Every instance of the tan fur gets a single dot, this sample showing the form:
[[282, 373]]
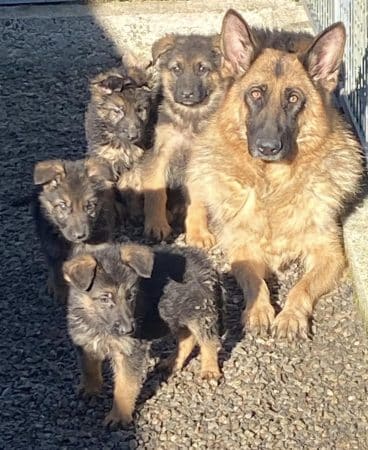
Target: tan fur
[[174, 134], [266, 214], [187, 339], [126, 390]]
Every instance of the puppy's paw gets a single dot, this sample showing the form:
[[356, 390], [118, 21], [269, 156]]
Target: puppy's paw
[[89, 389], [258, 319], [200, 238], [211, 373], [158, 229], [114, 419], [290, 324], [168, 364]]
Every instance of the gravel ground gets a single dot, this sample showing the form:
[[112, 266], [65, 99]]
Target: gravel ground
[[274, 395]]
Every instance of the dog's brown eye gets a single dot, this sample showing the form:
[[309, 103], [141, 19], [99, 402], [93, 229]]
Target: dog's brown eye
[[256, 94], [203, 69], [176, 69], [90, 207], [61, 206], [119, 111], [106, 297], [141, 109], [293, 98]]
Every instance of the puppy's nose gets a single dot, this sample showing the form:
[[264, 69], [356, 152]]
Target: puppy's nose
[[79, 235], [268, 147], [187, 93], [123, 328], [133, 133]]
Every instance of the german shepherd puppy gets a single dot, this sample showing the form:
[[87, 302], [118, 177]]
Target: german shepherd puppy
[[119, 294], [74, 209], [275, 168], [119, 117], [192, 88]]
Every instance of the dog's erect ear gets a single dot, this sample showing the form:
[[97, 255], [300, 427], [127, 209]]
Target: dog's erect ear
[[237, 43], [162, 46], [100, 171], [48, 171], [139, 257], [80, 271], [113, 83], [324, 56]]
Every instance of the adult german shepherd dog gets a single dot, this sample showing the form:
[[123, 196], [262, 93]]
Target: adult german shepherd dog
[[274, 169]]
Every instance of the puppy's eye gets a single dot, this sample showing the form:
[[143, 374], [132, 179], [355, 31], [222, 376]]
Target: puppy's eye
[[106, 298], [90, 207], [203, 69], [119, 111], [141, 109], [256, 94], [176, 69], [61, 206], [293, 98]]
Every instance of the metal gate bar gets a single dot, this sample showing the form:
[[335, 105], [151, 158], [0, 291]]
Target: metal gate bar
[[354, 89]]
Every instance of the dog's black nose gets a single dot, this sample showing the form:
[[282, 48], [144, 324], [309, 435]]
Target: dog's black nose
[[187, 93], [133, 134], [79, 235], [268, 147], [122, 328]]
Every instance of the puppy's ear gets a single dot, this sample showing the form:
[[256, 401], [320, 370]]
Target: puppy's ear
[[139, 257], [80, 271], [112, 82], [323, 58], [100, 171], [162, 46], [52, 171], [237, 43]]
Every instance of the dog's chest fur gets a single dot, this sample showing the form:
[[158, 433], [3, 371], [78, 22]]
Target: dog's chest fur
[[278, 209]]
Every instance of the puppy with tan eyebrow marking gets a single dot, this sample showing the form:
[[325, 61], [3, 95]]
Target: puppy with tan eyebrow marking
[[123, 296], [275, 169], [74, 209], [192, 88], [118, 127]]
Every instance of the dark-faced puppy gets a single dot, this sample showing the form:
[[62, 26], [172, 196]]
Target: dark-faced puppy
[[123, 296], [192, 88], [119, 116], [75, 208]]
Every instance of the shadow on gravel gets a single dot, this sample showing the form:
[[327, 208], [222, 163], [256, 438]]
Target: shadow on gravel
[[44, 71], [233, 307]]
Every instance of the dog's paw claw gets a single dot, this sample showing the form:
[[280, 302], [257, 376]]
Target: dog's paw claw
[[114, 419], [258, 320], [290, 325], [159, 231], [201, 239], [211, 374]]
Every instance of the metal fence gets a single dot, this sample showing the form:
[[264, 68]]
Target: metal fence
[[354, 89]]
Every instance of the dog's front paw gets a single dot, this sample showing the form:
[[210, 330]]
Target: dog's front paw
[[114, 418], [212, 373], [200, 239], [89, 389], [290, 324], [158, 229], [258, 319]]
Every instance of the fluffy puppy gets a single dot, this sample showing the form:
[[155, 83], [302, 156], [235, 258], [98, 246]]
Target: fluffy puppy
[[121, 297], [74, 208]]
